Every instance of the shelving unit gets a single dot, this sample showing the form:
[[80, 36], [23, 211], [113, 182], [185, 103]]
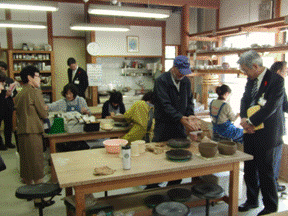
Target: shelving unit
[[43, 60], [135, 71]]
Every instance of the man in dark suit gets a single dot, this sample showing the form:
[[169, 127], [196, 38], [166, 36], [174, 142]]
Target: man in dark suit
[[77, 76], [266, 89], [6, 109]]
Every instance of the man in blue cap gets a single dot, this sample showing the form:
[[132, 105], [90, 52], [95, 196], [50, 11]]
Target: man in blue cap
[[174, 108], [174, 102]]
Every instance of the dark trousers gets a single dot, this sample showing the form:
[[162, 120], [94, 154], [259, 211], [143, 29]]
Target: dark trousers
[[259, 173], [277, 160], [8, 125]]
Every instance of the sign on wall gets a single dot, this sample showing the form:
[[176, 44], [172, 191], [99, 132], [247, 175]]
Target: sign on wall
[[94, 72]]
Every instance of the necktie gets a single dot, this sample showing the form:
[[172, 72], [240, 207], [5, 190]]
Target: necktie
[[254, 91], [254, 88]]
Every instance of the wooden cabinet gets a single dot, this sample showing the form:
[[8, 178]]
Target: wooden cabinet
[[43, 60]]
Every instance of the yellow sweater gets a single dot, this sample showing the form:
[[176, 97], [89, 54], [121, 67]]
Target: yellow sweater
[[138, 114]]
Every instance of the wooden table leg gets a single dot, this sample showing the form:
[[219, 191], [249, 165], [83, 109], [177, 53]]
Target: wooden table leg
[[80, 203], [53, 174], [69, 192], [52, 144], [233, 189]]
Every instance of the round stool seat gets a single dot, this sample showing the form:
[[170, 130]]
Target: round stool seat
[[171, 209], [38, 191], [208, 191]]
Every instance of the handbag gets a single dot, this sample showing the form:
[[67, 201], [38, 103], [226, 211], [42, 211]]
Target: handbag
[[2, 164]]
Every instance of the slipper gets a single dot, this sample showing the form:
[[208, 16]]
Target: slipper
[[45, 204]]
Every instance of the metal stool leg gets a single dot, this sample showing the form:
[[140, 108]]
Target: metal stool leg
[[207, 207]]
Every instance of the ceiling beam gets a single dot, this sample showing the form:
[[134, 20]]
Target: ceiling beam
[[208, 4]]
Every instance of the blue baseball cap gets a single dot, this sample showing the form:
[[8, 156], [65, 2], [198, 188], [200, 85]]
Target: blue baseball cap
[[182, 63]]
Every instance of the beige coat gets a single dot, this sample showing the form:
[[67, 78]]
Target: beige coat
[[30, 109]]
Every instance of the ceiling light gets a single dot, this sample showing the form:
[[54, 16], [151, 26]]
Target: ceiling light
[[128, 11], [99, 27], [29, 5], [22, 24]]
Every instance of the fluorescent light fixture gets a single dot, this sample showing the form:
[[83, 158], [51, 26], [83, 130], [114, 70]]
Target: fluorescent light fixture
[[22, 24], [128, 11], [29, 5], [99, 27]]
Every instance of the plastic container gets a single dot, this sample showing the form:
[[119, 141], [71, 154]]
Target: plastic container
[[113, 146], [126, 153]]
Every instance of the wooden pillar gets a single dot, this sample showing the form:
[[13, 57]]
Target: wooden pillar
[[9, 31], [184, 29], [277, 8], [50, 29], [217, 19]]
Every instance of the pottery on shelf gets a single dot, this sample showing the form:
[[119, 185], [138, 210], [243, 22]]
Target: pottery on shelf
[[208, 150], [227, 147]]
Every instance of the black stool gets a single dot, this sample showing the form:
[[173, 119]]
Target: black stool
[[38, 191], [207, 191]]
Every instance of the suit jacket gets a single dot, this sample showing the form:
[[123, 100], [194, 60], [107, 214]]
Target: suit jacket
[[7, 103], [29, 105], [82, 78], [271, 114]]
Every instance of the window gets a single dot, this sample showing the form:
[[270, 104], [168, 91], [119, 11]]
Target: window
[[170, 54]]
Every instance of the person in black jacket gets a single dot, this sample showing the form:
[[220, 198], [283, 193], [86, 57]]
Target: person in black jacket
[[266, 89], [6, 109], [280, 67], [77, 76], [174, 108], [114, 105]]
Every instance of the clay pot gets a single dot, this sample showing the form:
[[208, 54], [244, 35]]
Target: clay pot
[[119, 118], [208, 149], [227, 147]]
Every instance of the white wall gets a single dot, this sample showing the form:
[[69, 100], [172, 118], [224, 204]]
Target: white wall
[[31, 37], [115, 43], [235, 12], [3, 35], [66, 15], [284, 8], [173, 29], [193, 20]]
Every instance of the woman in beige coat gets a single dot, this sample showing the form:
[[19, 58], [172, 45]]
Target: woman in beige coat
[[30, 109]]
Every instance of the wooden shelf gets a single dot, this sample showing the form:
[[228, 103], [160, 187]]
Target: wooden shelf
[[30, 60], [127, 56], [214, 71], [31, 52], [240, 51], [18, 72]]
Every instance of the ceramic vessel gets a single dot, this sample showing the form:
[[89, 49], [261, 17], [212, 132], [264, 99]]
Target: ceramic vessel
[[227, 147], [119, 118], [208, 149]]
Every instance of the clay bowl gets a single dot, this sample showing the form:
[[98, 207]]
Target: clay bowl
[[119, 118], [179, 143], [227, 147], [208, 150]]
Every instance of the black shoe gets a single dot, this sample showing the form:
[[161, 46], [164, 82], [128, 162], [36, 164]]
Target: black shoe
[[3, 148], [10, 145], [266, 212], [246, 207], [281, 188]]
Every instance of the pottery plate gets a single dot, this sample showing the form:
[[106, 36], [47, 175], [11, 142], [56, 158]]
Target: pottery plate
[[179, 143], [178, 155]]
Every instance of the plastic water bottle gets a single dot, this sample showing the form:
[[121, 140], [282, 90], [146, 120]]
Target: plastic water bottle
[[126, 157]]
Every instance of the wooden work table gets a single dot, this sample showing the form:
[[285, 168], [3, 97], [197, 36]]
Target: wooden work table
[[75, 170]]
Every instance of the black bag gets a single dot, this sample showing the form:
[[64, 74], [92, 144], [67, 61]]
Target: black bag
[[2, 164]]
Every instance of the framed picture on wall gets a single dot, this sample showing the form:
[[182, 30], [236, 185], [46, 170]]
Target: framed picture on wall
[[132, 44]]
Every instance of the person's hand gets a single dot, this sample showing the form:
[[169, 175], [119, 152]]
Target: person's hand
[[84, 111], [193, 136], [8, 93], [108, 117], [112, 114], [190, 124], [250, 129], [46, 108]]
